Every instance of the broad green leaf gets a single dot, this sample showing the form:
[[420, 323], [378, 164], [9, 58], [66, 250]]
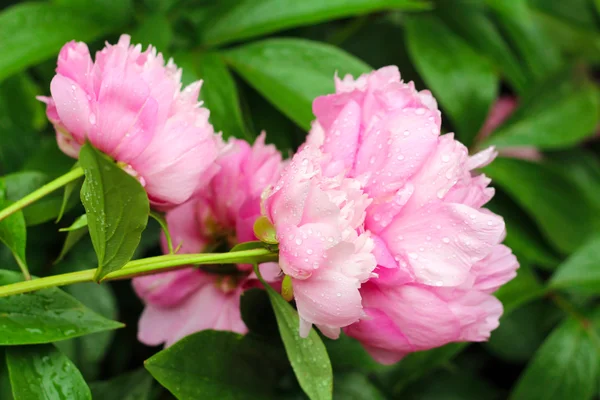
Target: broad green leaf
[[260, 115], [571, 37], [13, 232], [235, 20], [575, 12], [562, 212], [33, 32], [308, 355], [565, 366], [112, 12], [45, 316], [355, 386], [19, 120], [523, 288], [214, 365], [530, 324], [562, 114], [581, 269], [154, 30], [25, 110], [5, 389], [20, 184], [418, 364], [516, 21], [579, 165], [42, 372], [290, 73], [462, 80], [219, 93], [117, 208], [521, 234], [136, 385], [471, 21], [87, 352]]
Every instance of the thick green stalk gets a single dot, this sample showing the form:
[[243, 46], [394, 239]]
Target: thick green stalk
[[41, 192], [141, 267]]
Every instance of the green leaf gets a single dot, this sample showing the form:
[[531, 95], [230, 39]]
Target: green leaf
[[530, 323], [25, 110], [136, 385], [87, 352], [111, 12], [572, 38], [13, 233], [43, 372], [581, 269], [537, 53], [523, 288], [355, 386], [154, 30], [521, 234], [418, 364], [235, 20], [21, 116], [471, 21], [561, 113], [5, 389], [79, 223], [463, 81], [579, 165], [549, 199], [73, 237], [117, 208], [45, 316], [575, 12], [33, 32], [290, 73], [308, 356], [214, 365], [565, 366], [219, 92]]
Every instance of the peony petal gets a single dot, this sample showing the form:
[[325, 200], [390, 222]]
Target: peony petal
[[443, 242], [72, 106]]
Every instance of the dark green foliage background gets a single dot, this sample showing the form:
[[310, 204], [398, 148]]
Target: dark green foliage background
[[263, 61]]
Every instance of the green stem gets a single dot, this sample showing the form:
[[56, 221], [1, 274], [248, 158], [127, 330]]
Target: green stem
[[41, 192], [141, 267]]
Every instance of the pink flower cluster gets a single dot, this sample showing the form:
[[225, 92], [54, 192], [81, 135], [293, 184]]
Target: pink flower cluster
[[129, 105], [379, 218], [415, 206], [182, 302]]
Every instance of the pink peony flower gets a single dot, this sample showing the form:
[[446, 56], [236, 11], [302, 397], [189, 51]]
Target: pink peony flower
[[437, 251], [182, 302], [129, 105], [318, 215], [500, 112]]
